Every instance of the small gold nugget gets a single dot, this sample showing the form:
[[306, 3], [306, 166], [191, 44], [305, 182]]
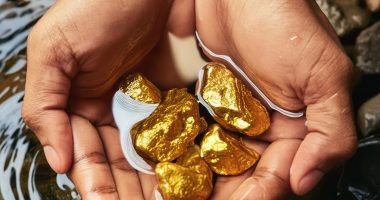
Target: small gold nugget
[[170, 129], [225, 154], [233, 104], [138, 87], [189, 178]]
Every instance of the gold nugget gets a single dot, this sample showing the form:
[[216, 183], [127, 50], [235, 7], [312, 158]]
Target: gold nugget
[[225, 154], [140, 88], [170, 129], [189, 178], [233, 104]]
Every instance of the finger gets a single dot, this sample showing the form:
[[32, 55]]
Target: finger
[[283, 127], [149, 184], [331, 140], [46, 93], [156, 195], [270, 179], [90, 173], [181, 21], [125, 177], [226, 185]]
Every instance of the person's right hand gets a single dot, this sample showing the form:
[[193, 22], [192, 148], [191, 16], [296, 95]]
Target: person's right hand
[[76, 54]]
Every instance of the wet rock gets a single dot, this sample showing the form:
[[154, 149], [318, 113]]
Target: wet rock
[[373, 5], [369, 116], [344, 15], [368, 49], [361, 178]]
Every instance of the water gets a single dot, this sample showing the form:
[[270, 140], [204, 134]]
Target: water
[[24, 172]]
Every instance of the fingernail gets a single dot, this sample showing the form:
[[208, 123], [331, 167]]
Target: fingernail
[[157, 195], [309, 181], [53, 158]]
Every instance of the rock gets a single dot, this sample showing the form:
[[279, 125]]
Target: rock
[[373, 5], [368, 49], [361, 178], [369, 116], [344, 15]]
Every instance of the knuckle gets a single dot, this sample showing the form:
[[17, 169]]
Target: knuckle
[[91, 158], [272, 176], [32, 37], [330, 59], [51, 40], [30, 118], [348, 148], [102, 192], [26, 116], [121, 164], [38, 33], [348, 71], [339, 151]]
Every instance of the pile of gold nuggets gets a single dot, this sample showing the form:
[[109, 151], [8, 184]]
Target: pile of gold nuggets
[[185, 169]]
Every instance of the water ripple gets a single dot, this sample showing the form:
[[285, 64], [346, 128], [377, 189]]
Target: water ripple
[[15, 24], [24, 172]]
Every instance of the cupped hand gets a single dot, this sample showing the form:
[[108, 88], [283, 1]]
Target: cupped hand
[[79, 49], [76, 54], [292, 52]]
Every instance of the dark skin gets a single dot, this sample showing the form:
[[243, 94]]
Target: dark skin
[[79, 49]]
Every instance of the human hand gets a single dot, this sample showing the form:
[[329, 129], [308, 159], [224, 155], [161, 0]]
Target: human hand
[[80, 65], [76, 53], [292, 52]]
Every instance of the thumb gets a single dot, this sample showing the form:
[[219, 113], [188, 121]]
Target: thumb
[[46, 94], [331, 139]]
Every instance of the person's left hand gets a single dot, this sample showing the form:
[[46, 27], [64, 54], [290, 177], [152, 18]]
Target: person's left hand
[[289, 48]]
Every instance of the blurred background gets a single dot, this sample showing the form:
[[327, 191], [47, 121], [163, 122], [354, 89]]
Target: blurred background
[[25, 174]]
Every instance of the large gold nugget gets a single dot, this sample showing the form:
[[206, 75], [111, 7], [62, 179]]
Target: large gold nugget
[[140, 88], [233, 104], [168, 131], [190, 178], [225, 154]]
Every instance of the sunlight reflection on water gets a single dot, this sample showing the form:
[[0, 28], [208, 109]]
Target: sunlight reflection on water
[[24, 173]]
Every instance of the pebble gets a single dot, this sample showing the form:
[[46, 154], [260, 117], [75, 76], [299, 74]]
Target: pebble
[[369, 116], [344, 15], [368, 49]]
